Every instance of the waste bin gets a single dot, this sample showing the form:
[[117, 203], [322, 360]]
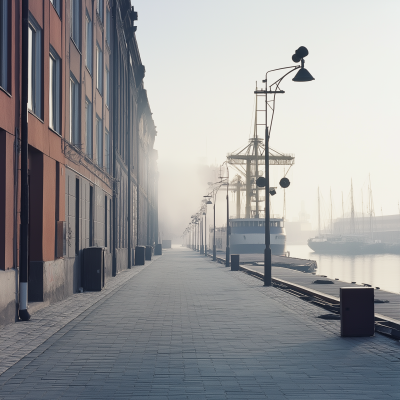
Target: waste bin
[[357, 314], [93, 269], [149, 251], [139, 255], [235, 262], [158, 250]]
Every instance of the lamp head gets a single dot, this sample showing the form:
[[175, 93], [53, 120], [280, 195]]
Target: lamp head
[[209, 202], [272, 192], [302, 74]]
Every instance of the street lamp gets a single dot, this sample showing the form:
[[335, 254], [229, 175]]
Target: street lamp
[[227, 254], [302, 76], [206, 202]]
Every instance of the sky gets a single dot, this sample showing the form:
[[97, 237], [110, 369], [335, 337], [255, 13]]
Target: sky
[[202, 61]]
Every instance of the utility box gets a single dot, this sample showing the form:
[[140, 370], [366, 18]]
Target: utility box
[[235, 262], [93, 269], [149, 252], [158, 250], [357, 314], [139, 255], [166, 244]]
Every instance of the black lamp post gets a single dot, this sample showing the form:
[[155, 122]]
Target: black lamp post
[[208, 201], [302, 76]]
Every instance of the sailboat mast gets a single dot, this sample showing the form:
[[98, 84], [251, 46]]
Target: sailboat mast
[[352, 225], [342, 215], [319, 215], [331, 212]]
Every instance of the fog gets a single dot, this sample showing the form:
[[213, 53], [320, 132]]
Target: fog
[[202, 62]]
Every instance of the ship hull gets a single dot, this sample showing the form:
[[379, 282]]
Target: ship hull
[[346, 248]]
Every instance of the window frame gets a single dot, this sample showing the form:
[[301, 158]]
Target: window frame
[[99, 72], [55, 97], [100, 10], [57, 6], [89, 127], [74, 111], [4, 45], [99, 140], [35, 59], [76, 23], [89, 43], [107, 88]]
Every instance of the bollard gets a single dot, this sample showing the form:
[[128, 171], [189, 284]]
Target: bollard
[[357, 315], [235, 262], [149, 250], [158, 250], [139, 255]]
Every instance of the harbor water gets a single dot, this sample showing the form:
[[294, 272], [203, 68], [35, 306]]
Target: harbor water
[[377, 270]]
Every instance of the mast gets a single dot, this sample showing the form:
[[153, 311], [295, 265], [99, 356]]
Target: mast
[[342, 215], [319, 215], [331, 212], [362, 210], [352, 224], [256, 154]]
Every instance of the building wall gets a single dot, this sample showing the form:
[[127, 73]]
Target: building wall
[[101, 197]]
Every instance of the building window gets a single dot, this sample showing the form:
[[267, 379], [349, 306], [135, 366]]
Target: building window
[[89, 129], [4, 44], [57, 6], [54, 91], [107, 151], [100, 7], [34, 67], [107, 88], [74, 136], [89, 42], [108, 26], [99, 69], [76, 22], [99, 130]]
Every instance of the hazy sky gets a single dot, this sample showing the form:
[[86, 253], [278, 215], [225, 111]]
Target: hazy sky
[[203, 58]]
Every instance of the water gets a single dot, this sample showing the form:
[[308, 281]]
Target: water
[[377, 270]]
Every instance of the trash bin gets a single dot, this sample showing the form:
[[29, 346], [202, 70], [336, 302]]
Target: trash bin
[[357, 315], [139, 255], [149, 251], [235, 262], [93, 269], [158, 250]]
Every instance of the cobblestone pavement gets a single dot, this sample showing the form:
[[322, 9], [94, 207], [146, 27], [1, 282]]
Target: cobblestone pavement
[[187, 328]]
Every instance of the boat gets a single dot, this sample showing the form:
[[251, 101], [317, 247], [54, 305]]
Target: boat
[[247, 236]]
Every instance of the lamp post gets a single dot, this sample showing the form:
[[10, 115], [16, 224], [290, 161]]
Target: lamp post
[[302, 76], [205, 223], [227, 253]]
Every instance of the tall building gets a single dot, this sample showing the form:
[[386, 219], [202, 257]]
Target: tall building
[[91, 163]]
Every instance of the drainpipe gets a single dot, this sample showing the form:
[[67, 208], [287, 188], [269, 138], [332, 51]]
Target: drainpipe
[[23, 269], [129, 166], [114, 66]]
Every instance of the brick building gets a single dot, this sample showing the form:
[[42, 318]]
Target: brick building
[[91, 162]]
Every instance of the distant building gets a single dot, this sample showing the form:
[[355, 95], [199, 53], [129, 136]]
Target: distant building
[[92, 166]]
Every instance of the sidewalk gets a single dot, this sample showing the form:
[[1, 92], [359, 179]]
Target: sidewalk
[[187, 328]]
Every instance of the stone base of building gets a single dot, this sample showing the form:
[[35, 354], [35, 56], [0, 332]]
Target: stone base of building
[[8, 303]]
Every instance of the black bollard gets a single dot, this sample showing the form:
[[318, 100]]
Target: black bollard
[[235, 262]]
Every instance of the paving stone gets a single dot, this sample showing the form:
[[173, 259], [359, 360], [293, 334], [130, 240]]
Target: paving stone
[[186, 328]]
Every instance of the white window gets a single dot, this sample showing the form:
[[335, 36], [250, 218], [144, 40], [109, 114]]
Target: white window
[[99, 130], [4, 44], [89, 41], [54, 91], [108, 26], [107, 88], [34, 67], [89, 129], [74, 136], [76, 22], [57, 6], [107, 151], [100, 7], [99, 69]]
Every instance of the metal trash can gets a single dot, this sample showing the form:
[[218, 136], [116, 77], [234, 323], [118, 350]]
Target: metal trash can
[[357, 315], [93, 269], [149, 252], [235, 262], [158, 250], [139, 255]]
